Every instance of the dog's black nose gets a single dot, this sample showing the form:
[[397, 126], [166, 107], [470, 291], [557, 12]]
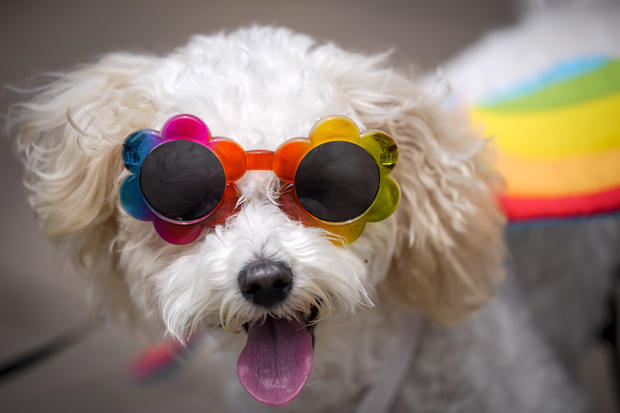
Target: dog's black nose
[[265, 283]]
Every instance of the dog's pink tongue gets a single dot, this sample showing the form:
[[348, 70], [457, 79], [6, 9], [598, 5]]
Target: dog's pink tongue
[[277, 360]]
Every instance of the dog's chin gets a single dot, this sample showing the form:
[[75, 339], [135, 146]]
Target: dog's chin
[[277, 359]]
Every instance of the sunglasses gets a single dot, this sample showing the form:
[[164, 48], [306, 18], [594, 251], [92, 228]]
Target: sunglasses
[[183, 179]]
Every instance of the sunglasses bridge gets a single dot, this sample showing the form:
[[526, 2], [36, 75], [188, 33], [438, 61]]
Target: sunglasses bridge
[[259, 160]]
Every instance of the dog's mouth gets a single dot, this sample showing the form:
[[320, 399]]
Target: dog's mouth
[[277, 359]]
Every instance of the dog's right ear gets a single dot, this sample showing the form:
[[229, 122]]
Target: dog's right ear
[[69, 137]]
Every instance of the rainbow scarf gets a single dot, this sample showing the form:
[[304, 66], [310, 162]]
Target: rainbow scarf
[[558, 140]]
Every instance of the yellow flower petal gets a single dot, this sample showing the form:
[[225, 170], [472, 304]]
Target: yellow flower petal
[[333, 127]]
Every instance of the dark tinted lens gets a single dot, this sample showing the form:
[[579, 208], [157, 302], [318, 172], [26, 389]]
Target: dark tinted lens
[[337, 181], [182, 180]]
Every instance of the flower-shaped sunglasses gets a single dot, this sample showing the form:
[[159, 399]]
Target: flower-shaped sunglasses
[[183, 179]]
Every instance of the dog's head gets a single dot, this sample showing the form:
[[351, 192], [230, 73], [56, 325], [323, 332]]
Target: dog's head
[[440, 252]]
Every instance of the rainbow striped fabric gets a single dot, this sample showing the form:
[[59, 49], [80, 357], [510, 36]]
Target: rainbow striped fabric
[[558, 141]]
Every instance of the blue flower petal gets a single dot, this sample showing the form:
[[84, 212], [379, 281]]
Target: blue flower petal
[[132, 200], [137, 146]]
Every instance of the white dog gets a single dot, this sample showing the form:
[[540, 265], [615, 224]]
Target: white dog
[[374, 307]]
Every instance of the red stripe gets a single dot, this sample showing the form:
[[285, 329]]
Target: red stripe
[[518, 209]]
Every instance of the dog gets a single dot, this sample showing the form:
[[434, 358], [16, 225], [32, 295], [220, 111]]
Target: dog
[[401, 318]]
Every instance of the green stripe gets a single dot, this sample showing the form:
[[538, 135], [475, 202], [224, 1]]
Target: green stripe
[[598, 83]]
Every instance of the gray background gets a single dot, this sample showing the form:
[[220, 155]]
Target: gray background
[[40, 296]]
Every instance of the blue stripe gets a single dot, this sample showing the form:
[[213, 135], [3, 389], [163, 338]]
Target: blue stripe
[[558, 73]]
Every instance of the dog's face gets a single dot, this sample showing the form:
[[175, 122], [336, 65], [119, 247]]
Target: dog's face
[[261, 87], [237, 86]]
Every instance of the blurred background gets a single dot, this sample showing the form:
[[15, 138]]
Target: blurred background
[[40, 296]]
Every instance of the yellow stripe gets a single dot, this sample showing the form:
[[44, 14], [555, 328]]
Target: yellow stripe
[[566, 177], [586, 128]]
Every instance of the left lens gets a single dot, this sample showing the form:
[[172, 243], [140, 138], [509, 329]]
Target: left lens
[[182, 180], [337, 181]]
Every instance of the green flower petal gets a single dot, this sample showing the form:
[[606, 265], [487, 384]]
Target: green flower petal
[[386, 202]]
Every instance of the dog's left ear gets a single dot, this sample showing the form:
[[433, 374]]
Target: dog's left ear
[[450, 246]]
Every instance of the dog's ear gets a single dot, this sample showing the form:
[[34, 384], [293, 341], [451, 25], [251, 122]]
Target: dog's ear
[[450, 245], [69, 137]]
